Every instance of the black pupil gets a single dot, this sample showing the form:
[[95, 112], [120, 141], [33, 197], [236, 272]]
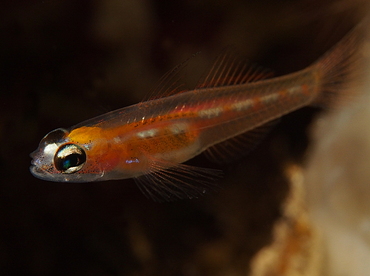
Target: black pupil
[[71, 160]]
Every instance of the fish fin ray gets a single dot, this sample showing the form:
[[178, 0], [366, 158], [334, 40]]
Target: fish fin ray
[[341, 69], [227, 70], [164, 183], [233, 148], [170, 83]]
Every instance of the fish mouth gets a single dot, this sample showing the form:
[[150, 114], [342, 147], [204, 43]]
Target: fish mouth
[[33, 155], [39, 170], [34, 168], [33, 163]]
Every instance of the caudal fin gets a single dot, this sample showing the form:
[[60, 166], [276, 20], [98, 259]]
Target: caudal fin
[[341, 69]]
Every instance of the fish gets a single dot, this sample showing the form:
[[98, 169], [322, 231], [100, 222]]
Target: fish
[[228, 112]]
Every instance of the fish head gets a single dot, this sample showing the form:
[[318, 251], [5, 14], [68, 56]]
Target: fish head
[[59, 159]]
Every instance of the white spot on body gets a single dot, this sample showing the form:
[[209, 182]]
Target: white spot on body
[[294, 90], [88, 146], [242, 105], [210, 113], [270, 98], [183, 151], [147, 133]]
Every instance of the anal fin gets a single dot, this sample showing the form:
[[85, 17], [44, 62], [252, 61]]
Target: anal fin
[[238, 146], [170, 183]]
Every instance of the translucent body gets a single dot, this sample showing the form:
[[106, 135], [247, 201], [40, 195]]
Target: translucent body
[[123, 143], [152, 138]]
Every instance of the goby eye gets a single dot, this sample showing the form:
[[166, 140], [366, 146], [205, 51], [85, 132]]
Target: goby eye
[[69, 158]]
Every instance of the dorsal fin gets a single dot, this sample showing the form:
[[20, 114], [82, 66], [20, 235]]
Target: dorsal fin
[[170, 83], [229, 70]]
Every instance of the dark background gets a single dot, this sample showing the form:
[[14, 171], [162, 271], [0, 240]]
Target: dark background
[[65, 61]]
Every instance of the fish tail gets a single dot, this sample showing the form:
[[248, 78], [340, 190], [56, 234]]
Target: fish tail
[[340, 70]]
